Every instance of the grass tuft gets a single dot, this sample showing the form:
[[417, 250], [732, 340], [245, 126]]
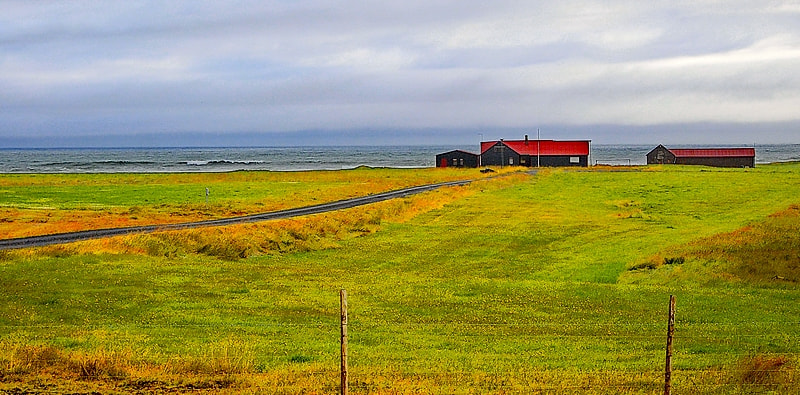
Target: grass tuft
[[300, 358], [679, 260], [25, 359], [765, 372], [100, 365], [227, 359]]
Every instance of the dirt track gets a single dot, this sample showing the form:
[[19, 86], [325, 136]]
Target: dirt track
[[61, 238]]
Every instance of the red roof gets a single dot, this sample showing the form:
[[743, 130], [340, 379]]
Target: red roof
[[714, 152], [542, 147]]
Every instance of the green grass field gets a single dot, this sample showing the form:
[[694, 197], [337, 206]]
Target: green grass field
[[550, 283]]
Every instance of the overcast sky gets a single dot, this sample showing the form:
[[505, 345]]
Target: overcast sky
[[306, 72]]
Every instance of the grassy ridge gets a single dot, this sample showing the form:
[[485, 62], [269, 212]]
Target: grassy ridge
[[764, 253], [510, 285]]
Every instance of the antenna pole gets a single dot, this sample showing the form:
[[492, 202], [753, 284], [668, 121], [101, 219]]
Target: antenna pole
[[538, 149]]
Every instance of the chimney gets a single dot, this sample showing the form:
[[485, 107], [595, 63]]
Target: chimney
[[526, 139]]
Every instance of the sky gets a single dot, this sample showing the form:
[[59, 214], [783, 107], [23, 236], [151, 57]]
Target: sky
[[319, 72]]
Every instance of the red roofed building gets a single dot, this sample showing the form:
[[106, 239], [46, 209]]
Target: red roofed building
[[534, 153], [717, 157]]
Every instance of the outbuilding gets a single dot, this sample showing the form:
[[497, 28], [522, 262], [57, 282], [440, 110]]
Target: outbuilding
[[535, 153], [716, 157], [457, 158]]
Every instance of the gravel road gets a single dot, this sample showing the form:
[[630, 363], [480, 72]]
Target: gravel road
[[61, 238]]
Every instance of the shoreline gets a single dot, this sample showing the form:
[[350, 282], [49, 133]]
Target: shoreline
[[169, 172], [215, 160]]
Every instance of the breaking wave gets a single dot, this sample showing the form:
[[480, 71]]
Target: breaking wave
[[223, 162]]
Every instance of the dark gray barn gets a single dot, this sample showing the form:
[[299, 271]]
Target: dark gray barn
[[716, 157]]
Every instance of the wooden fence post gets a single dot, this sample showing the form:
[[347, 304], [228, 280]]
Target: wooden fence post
[[670, 334], [343, 302]]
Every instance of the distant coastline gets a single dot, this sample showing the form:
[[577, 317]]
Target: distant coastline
[[172, 159]]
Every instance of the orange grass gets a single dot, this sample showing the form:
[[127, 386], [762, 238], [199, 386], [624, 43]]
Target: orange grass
[[306, 233], [232, 194], [766, 252], [223, 372], [34, 222]]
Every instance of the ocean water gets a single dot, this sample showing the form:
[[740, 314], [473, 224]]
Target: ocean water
[[150, 160]]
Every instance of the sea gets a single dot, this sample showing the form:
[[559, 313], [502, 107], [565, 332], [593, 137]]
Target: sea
[[176, 160]]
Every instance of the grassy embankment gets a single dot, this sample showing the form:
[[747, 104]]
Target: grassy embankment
[[556, 282]]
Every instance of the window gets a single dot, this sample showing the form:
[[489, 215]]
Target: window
[[461, 162], [510, 161], [455, 162], [574, 159]]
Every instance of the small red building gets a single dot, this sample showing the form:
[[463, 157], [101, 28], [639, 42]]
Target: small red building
[[716, 157], [457, 158]]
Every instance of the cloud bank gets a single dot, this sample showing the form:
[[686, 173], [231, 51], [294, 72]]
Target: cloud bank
[[278, 68]]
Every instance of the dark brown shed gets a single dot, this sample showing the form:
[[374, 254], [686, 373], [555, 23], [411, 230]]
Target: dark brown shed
[[717, 157]]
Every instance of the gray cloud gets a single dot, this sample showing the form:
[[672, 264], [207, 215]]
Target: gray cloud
[[126, 68]]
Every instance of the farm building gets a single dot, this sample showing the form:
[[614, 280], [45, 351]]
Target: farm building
[[457, 158], [717, 157], [534, 153]]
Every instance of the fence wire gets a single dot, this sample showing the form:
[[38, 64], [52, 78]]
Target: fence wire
[[397, 354], [774, 341]]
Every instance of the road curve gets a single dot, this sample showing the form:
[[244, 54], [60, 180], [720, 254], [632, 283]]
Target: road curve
[[61, 238]]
